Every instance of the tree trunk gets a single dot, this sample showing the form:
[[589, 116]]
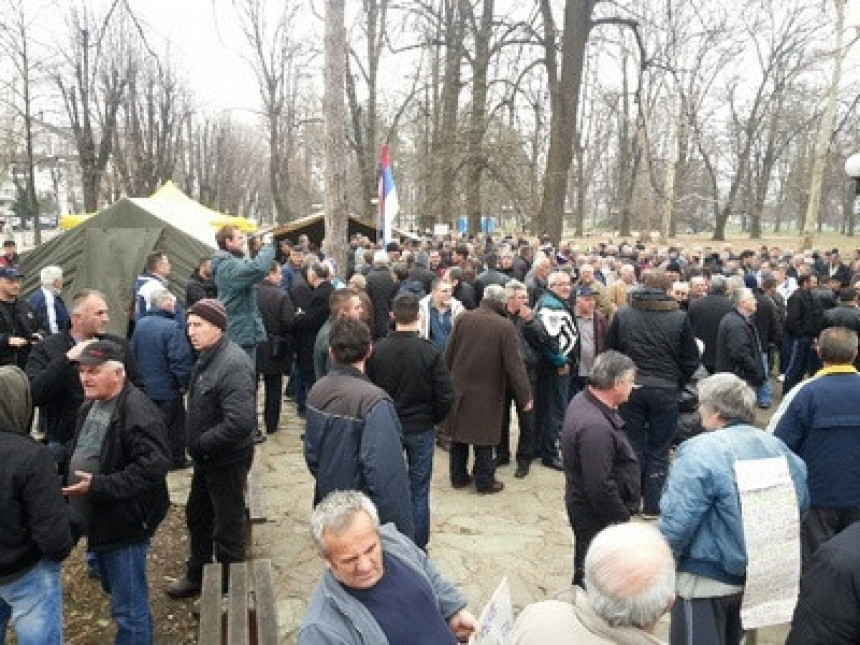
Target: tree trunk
[[336, 241], [445, 185]]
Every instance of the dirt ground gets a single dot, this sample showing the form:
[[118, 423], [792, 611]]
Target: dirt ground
[[86, 610]]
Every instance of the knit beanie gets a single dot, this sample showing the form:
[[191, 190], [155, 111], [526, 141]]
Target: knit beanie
[[211, 310]]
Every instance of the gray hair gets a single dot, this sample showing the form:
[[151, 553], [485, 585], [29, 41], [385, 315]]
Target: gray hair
[[49, 275], [335, 514], [728, 396], [494, 293], [555, 276], [609, 368], [741, 294], [159, 296], [512, 287], [719, 284], [735, 282], [629, 575]]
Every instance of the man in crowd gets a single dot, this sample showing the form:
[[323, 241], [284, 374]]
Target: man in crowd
[[163, 356], [845, 314], [602, 475], [47, 301], [413, 373], [381, 289], [35, 531], [220, 427], [200, 284], [804, 317], [378, 586], [629, 586], [484, 358], [656, 334], [19, 327], [617, 293], [536, 280], [591, 326], [698, 288], [739, 349], [353, 436], [460, 288], [531, 337], [587, 279], [153, 278], [554, 367], [53, 372], [342, 302], [705, 315], [837, 269], [117, 484], [491, 275], [310, 320], [437, 312], [820, 422], [10, 257]]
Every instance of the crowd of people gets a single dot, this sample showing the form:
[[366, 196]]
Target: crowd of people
[[637, 371]]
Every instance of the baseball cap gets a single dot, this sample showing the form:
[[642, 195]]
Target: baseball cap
[[100, 352], [584, 290], [10, 273]]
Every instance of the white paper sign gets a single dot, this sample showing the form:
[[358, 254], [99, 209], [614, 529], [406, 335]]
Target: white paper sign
[[497, 619], [772, 535]]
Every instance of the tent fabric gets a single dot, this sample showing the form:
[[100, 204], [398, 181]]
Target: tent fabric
[[107, 252], [314, 227]]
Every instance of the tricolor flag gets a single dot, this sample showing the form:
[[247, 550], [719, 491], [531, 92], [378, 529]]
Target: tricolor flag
[[388, 204]]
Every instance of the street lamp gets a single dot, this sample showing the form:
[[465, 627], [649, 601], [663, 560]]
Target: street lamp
[[852, 169]]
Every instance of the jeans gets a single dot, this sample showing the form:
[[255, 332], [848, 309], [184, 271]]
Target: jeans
[[550, 405], [419, 447], [272, 384], [215, 516], [650, 421], [300, 389], [123, 575], [34, 604], [764, 393], [174, 420], [484, 470]]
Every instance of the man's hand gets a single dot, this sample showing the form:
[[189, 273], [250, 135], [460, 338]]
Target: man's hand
[[463, 624], [530, 404], [564, 370], [75, 352], [17, 341], [85, 480]]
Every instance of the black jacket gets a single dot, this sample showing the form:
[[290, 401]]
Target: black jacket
[[56, 386], [485, 279], [275, 354], [129, 494], [739, 349], [198, 288], [465, 293], [657, 335], [381, 288], [35, 516], [221, 413], [705, 316], [308, 323], [804, 314], [828, 607], [843, 316], [413, 372], [532, 336], [17, 319], [767, 321]]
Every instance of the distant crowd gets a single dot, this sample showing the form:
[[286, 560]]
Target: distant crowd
[[637, 370]]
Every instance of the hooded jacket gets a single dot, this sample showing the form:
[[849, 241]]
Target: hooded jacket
[[35, 521]]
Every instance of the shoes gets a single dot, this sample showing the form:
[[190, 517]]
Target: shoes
[[503, 461], [463, 484], [443, 442], [552, 462], [522, 469], [185, 587], [763, 406], [497, 487], [780, 378], [259, 437], [650, 516]]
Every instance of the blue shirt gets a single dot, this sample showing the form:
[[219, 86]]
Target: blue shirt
[[440, 327]]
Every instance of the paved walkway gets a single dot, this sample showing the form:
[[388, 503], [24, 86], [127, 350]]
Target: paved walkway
[[521, 533]]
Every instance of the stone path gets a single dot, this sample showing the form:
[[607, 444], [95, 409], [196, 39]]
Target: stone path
[[521, 533]]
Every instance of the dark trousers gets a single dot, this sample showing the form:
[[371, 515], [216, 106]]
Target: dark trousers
[[706, 621], [484, 470], [550, 405], [802, 360], [215, 516], [585, 525], [526, 421], [650, 421], [174, 420], [272, 384], [821, 524]]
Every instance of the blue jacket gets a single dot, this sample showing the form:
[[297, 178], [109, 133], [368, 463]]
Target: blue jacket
[[336, 616], [236, 278], [821, 424], [353, 441], [40, 307], [700, 512], [163, 355]]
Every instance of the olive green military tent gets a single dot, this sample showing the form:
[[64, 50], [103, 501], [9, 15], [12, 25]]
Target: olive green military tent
[[107, 251]]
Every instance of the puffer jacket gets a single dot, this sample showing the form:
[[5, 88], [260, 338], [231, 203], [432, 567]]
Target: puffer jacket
[[35, 516], [221, 413], [237, 278], [353, 441], [656, 334], [700, 511], [129, 493]]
